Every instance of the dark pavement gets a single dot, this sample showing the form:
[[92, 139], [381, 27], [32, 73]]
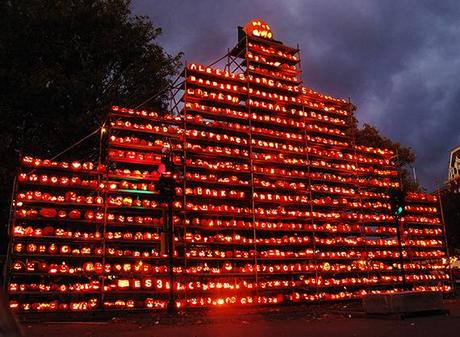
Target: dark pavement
[[314, 320]]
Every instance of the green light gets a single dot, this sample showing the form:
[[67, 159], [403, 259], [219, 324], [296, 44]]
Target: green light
[[137, 191], [399, 210]]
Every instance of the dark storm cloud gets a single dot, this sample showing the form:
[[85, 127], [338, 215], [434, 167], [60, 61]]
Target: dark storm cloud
[[399, 61]]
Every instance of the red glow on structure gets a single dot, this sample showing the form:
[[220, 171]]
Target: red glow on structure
[[274, 203]]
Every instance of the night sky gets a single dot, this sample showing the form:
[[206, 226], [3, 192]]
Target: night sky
[[398, 61]]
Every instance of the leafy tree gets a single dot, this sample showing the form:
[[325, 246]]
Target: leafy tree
[[63, 63], [369, 136]]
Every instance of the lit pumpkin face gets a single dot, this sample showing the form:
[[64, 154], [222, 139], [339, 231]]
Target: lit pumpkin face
[[88, 166], [42, 266], [13, 287], [120, 304], [31, 266], [98, 268], [71, 196], [74, 214], [19, 248], [92, 303], [14, 305], [18, 266], [62, 214], [89, 215], [228, 266], [258, 28], [127, 201], [75, 181], [19, 230], [32, 248]]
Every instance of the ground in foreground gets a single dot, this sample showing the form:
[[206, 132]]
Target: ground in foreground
[[319, 320]]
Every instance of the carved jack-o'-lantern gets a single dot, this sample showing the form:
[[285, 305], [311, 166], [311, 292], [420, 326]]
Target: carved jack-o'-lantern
[[14, 305], [228, 266], [64, 181], [65, 249], [70, 196], [13, 287], [89, 215], [62, 214], [19, 248], [18, 230], [74, 214], [38, 232], [76, 165], [31, 266], [123, 284], [48, 212], [147, 283], [18, 266], [88, 166], [32, 248], [88, 267], [98, 268]]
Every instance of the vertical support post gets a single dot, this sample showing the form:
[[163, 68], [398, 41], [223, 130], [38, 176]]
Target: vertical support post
[[362, 224], [251, 167], [172, 308], [11, 224], [184, 174], [445, 237], [398, 228], [104, 177], [401, 259]]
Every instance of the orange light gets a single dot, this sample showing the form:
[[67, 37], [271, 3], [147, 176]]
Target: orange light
[[258, 28]]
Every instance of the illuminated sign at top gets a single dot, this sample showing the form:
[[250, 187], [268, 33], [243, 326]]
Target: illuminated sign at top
[[258, 28]]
